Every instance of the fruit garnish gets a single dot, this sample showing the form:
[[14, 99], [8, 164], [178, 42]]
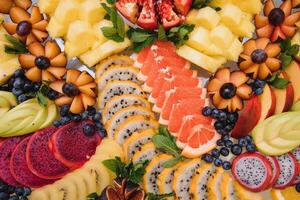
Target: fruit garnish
[[16, 47], [44, 62], [288, 52], [277, 23], [6, 5], [77, 90], [228, 89], [27, 27], [277, 82]]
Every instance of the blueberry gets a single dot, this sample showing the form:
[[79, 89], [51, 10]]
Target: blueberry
[[64, 110], [232, 117], [52, 95], [207, 158], [220, 142], [226, 165], [17, 92], [225, 137], [3, 188], [222, 131], [218, 125], [27, 191], [236, 149], [14, 198], [228, 128], [215, 153], [298, 187], [28, 86], [102, 132], [97, 117], [206, 111], [258, 91], [224, 151], [91, 110], [228, 143], [76, 118], [22, 98], [10, 189], [249, 139], [19, 73], [70, 90], [218, 162], [215, 113], [259, 83], [251, 148], [11, 83], [19, 83], [19, 191], [36, 87], [85, 115], [89, 129], [222, 116], [57, 123], [65, 119], [4, 196], [242, 142]]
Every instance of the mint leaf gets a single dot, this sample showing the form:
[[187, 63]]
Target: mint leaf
[[180, 34], [293, 50], [93, 196], [161, 33], [278, 82], [111, 1], [165, 145], [42, 100], [200, 3], [151, 196], [16, 47], [285, 60], [170, 163]]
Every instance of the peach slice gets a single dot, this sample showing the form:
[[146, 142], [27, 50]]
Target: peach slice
[[293, 71], [268, 103]]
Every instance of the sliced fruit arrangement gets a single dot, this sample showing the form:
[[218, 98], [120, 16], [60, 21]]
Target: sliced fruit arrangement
[[7, 101], [92, 177], [26, 118], [8, 4], [82, 19], [148, 14]]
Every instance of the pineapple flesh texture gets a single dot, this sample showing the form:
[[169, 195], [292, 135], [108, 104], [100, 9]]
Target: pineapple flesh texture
[[231, 15], [67, 11], [206, 17], [232, 53], [56, 28], [91, 11], [221, 36], [47, 6], [98, 32], [250, 6], [7, 69]]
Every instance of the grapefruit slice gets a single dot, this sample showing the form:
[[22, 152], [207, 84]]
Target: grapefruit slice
[[141, 57], [185, 107], [187, 125], [165, 102], [175, 81]]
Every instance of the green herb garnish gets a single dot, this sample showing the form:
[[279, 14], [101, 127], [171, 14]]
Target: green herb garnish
[[151, 196], [198, 4], [278, 82], [180, 34], [41, 95], [288, 52], [141, 38], [15, 47], [117, 31]]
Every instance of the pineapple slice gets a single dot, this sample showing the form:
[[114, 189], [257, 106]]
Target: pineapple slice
[[103, 51], [91, 11], [208, 63], [220, 3], [4, 56], [47, 6], [7, 69], [98, 32], [245, 29], [67, 11], [231, 15], [191, 17], [221, 36], [207, 17], [199, 39], [56, 28], [253, 6], [235, 49], [73, 49]]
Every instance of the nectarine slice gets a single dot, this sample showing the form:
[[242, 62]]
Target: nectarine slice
[[268, 102]]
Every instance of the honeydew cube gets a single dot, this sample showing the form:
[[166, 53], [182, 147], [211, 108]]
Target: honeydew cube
[[196, 57], [7, 69], [47, 6], [67, 11], [233, 52], [74, 49], [245, 29], [103, 51], [91, 11], [221, 36], [199, 39], [98, 32], [231, 15], [56, 28], [208, 18], [250, 6]]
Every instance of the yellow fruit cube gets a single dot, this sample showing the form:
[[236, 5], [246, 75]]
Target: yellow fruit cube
[[47, 6], [81, 32], [191, 17], [206, 62], [91, 11], [56, 28], [231, 15], [207, 17], [199, 39], [75, 49], [221, 36], [250, 6], [98, 32], [103, 51], [220, 3], [245, 29], [7, 69], [67, 11], [235, 49], [4, 56]]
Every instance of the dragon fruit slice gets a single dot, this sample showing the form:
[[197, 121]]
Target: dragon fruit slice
[[275, 168], [296, 153], [253, 171], [288, 170]]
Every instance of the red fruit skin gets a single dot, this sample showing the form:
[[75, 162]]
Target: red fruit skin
[[168, 17], [40, 159], [183, 6], [275, 175], [267, 165], [248, 118], [147, 18], [73, 149], [130, 14]]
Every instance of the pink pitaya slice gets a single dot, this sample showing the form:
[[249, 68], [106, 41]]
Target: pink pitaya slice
[[288, 170], [253, 171], [296, 153]]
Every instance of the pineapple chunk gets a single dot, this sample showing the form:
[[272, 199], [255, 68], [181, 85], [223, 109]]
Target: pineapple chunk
[[7, 69], [74, 49], [47, 6], [207, 17], [81, 32], [245, 29], [103, 51], [191, 17], [91, 11], [221, 36], [253, 6], [235, 49], [56, 28], [199, 39], [206, 62], [67, 11], [231, 15], [98, 32], [220, 3], [4, 56]]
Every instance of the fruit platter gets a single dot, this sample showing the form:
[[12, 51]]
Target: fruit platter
[[150, 99]]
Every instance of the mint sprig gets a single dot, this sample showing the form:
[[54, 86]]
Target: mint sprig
[[141, 38], [15, 47], [288, 52], [198, 4], [151, 196], [278, 82]]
